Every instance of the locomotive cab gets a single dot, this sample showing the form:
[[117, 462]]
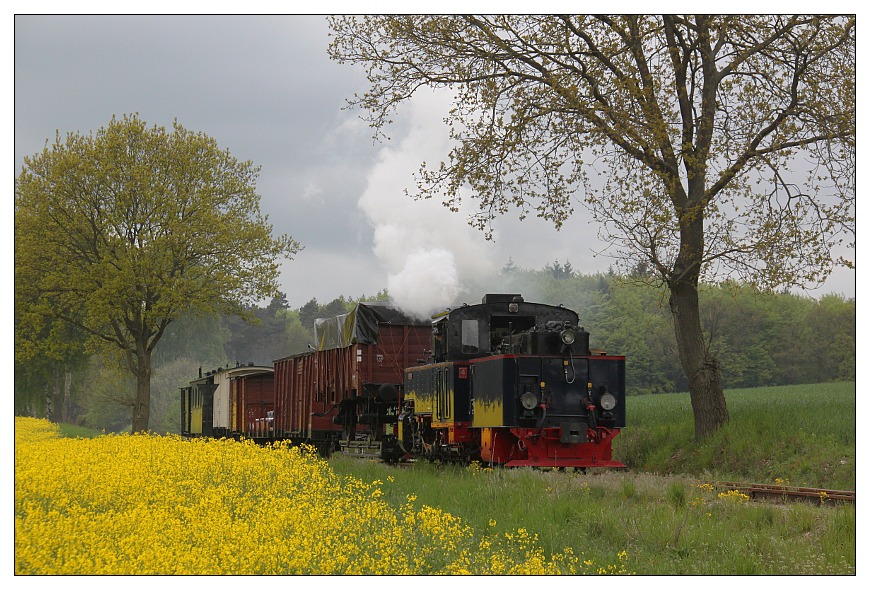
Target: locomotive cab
[[474, 331]]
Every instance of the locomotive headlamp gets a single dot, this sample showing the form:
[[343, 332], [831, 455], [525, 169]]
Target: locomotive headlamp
[[568, 336], [529, 400], [607, 401]]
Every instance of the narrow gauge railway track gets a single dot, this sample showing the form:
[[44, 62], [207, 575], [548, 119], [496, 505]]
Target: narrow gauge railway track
[[755, 491], [783, 492]]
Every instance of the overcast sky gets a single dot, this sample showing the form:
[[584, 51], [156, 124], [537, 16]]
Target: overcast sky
[[264, 88]]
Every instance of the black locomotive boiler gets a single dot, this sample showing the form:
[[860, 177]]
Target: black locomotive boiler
[[513, 383]]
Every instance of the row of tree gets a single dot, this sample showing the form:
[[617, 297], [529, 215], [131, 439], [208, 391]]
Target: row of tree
[[706, 147], [762, 339]]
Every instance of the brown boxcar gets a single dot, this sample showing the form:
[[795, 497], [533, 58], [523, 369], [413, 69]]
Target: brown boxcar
[[224, 411], [252, 396], [345, 394], [226, 402]]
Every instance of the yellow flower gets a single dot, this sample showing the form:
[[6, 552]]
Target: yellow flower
[[734, 496], [160, 505]]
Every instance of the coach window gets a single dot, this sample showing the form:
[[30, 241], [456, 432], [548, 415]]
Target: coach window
[[470, 337]]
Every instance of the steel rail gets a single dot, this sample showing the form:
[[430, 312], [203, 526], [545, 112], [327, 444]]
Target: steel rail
[[819, 495]]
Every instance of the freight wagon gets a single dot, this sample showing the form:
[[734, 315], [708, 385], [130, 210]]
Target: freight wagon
[[345, 394], [227, 402]]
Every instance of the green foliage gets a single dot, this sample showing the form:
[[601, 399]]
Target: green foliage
[[680, 134], [29, 390], [124, 231], [106, 396], [199, 338], [628, 489], [48, 352], [298, 337], [72, 431], [560, 271], [635, 322], [765, 339], [676, 494], [139, 215], [262, 340], [308, 313]]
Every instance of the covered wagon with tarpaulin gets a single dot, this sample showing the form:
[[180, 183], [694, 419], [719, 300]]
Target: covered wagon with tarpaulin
[[344, 394]]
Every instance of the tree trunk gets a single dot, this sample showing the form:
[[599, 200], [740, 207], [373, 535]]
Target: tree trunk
[[49, 398], [701, 369], [61, 386], [67, 394], [142, 403]]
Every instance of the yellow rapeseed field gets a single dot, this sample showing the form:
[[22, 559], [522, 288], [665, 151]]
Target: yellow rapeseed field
[[146, 504]]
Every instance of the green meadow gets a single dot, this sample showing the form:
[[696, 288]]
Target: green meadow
[[665, 512], [804, 434]]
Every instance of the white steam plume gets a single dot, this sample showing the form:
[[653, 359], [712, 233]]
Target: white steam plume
[[428, 282], [427, 251]]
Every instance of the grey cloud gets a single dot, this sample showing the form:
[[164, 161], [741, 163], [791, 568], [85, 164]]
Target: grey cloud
[[265, 89]]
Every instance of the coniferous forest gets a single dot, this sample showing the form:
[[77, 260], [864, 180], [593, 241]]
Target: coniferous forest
[[760, 339]]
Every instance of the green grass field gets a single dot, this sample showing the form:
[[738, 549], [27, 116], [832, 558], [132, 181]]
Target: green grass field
[[73, 431], [804, 434], [661, 512]]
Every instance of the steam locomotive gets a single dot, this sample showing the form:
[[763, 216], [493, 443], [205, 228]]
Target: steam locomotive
[[504, 382]]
